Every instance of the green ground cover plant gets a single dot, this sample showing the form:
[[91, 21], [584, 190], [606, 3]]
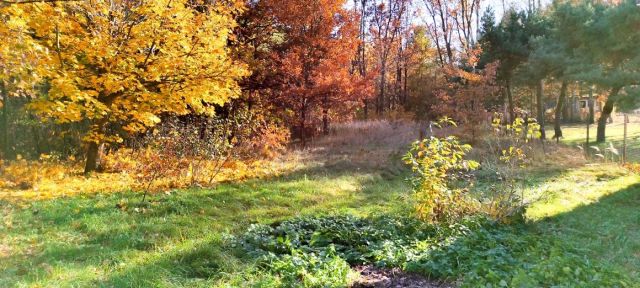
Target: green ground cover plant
[[471, 253]]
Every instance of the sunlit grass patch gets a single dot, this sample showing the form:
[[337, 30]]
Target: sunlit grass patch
[[182, 237], [578, 187], [576, 135], [176, 238]]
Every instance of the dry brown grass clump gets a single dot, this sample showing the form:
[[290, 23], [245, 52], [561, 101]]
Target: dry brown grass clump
[[373, 144]]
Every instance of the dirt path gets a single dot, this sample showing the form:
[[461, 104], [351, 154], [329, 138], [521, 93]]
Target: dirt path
[[372, 277]]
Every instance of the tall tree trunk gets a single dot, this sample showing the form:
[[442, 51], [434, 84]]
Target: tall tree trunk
[[540, 103], [447, 40], [363, 39], [325, 114], [366, 109], [557, 131], [590, 103], [533, 102], [606, 113], [566, 116], [303, 128], [94, 148], [512, 115], [91, 163], [381, 96], [405, 92], [398, 97], [36, 136], [362, 64]]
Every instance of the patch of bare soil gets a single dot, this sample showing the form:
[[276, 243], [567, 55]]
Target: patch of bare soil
[[5, 251], [372, 277]]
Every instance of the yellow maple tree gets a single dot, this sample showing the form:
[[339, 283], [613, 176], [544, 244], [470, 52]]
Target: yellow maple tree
[[16, 52], [121, 64], [16, 65]]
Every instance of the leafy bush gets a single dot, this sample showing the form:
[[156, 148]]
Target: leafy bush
[[437, 163], [509, 151], [269, 141], [198, 152], [440, 173], [324, 269], [147, 165]]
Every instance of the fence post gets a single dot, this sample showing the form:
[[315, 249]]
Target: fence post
[[586, 147], [624, 141]]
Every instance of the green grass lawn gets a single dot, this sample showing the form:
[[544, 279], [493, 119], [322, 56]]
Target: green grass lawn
[[178, 239], [575, 135], [596, 210], [614, 132]]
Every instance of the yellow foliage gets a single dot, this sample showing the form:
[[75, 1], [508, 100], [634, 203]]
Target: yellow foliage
[[128, 62], [17, 53], [35, 180], [632, 167], [38, 180]]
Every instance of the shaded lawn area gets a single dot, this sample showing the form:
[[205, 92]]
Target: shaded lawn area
[[596, 209], [179, 239]]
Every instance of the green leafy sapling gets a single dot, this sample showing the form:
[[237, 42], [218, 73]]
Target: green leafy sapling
[[437, 163]]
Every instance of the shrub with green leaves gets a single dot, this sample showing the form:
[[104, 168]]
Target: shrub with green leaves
[[311, 245], [437, 162], [485, 253], [510, 150]]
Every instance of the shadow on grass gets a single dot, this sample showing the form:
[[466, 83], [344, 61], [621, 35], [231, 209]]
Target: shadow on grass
[[258, 201], [606, 231]]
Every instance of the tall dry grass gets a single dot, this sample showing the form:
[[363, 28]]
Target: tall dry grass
[[373, 134], [374, 143], [368, 145]]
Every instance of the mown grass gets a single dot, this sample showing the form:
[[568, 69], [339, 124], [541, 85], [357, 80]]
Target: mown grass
[[176, 240], [179, 239], [576, 135], [595, 209]]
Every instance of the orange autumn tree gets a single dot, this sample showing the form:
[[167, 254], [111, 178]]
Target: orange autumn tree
[[339, 87], [314, 60], [119, 64], [465, 95]]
